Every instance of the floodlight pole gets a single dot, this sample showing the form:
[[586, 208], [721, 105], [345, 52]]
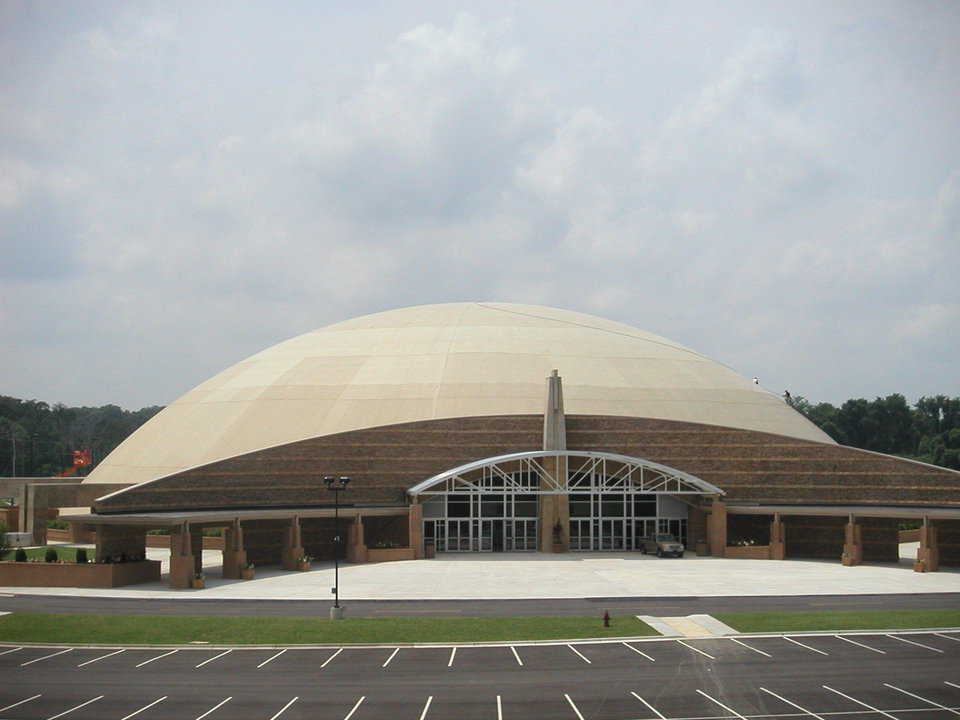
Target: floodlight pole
[[336, 484]]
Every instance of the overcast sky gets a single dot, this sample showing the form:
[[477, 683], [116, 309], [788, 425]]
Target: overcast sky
[[776, 185]]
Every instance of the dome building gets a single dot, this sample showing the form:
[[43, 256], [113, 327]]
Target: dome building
[[491, 427]]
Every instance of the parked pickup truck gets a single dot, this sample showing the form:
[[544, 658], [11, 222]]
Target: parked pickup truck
[[662, 545]]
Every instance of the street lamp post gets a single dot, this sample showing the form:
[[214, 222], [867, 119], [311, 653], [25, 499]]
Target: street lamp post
[[335, 485]]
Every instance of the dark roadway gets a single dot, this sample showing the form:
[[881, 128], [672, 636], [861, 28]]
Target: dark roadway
[[913, 676], [658, 606]]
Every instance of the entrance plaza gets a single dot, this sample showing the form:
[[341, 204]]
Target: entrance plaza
[[470, 576]]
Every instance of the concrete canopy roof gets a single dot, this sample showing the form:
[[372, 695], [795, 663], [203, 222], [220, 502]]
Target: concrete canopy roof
[[442, 361]]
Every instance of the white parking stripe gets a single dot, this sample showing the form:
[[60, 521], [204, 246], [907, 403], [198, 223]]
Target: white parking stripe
[[804, 646], [20, 703], [284, 708], [327, 661], [942, 707], [350, 714], [31, 662], [793, 704], [145, 707], [499, 709], [392, 655], [453, 654], [854, 642], [947, 637], [582, 656], [859, 702], [16, 649], [147, 662], [926, 647], [91, 700], [691, 647], [728, 709], [209, 660], [751, 648], [652, 708], [102, 657], [639, 653], [575, 708], [426, 707], [519, 661], [222, 702], [947, 682], [271, 658]]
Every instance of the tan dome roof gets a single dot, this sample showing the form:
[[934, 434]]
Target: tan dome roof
[[443, 361]]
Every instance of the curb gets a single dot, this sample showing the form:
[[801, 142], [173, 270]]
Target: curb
[[480, 643]]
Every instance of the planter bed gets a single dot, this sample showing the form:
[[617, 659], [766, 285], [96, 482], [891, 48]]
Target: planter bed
[[388, 554], [82, 575]]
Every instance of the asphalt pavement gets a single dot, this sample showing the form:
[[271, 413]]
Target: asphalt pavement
[[900, 676], [659, 606]]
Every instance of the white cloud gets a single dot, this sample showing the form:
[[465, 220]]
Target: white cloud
[[223, 179]]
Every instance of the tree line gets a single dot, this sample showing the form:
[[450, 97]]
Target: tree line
[[38, 440], [928, 431]]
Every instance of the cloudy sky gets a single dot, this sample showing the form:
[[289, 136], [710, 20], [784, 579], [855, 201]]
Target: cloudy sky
[[776, 185]]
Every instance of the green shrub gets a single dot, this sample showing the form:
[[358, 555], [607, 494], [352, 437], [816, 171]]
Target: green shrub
[[58, 524], [81, 555], [20, 555], [50, 555]]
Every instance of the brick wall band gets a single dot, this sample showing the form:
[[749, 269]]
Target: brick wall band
[[384, 462]]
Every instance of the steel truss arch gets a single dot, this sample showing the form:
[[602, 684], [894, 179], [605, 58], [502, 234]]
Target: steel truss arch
[[536, 473]]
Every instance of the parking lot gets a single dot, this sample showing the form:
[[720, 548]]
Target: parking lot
[[903, 676]]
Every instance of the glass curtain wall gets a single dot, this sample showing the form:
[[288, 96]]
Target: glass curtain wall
[[604, 516], [497, 514]]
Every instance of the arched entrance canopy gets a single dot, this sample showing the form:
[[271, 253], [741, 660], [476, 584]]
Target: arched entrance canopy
[[607, 471]]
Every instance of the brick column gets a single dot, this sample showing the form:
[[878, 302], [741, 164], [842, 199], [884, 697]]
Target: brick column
[[697, 530], [356, 547], [778, 539], [182, 561], [116, 540], [554, 509], [292, 545], [234, 554], [928, 554], [852, 543], [36, 515], [415, 531], [717, 529], [81, 533]]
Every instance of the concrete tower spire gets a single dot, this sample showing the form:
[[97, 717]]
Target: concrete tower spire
[[554, 422]]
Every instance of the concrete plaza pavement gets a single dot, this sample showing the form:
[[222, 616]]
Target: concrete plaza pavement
[[540, 575]]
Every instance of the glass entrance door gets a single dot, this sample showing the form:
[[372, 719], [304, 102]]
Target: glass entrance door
[[642, 529], [611, 534]]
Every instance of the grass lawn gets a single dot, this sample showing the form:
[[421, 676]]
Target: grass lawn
[[847, 620], [68, 554], [149, 629]]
